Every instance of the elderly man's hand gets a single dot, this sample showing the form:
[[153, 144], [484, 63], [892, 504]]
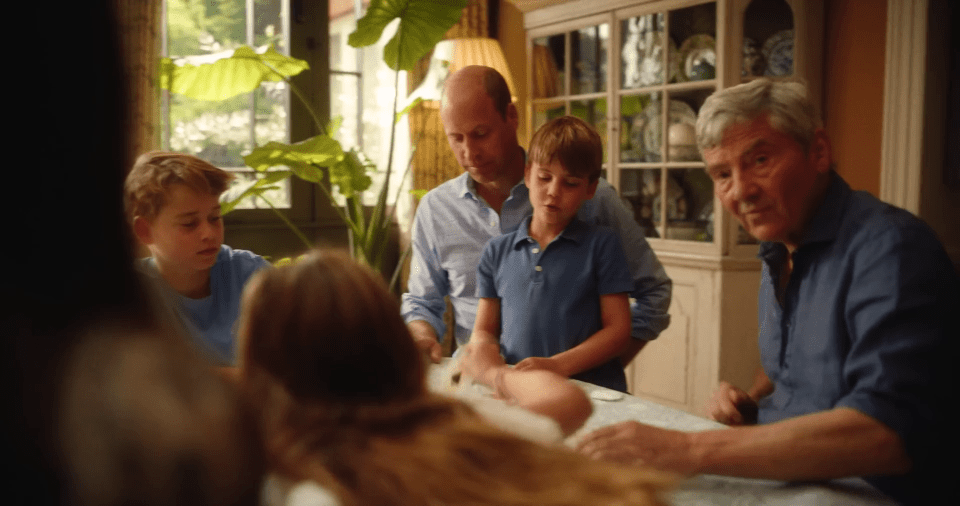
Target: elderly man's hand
[[732, 406], [638, 444]]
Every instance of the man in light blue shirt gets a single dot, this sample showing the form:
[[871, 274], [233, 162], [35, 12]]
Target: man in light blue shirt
[[455, 220]]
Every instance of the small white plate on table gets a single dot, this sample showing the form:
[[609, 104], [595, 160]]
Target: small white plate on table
[[606, 395]]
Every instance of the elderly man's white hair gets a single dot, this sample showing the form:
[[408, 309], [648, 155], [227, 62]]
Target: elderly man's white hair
[[787, 104]]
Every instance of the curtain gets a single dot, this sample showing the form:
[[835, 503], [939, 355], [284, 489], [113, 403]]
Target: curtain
[[140, 38]]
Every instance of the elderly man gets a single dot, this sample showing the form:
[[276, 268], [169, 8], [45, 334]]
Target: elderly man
[[858, 304], [455, 220]]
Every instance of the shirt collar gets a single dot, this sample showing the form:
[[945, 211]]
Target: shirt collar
[[576, 231], [827, 219], [824, 223], [467, 187]]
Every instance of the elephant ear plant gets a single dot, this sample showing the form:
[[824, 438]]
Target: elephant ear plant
[[422, 23]]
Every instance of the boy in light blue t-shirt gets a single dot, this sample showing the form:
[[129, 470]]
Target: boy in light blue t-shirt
[[173, 203], [553, 292]]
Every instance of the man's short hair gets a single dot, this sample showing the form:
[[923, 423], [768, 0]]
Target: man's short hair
[[497, 89], [147, 184], [787, 104], [572, 142]]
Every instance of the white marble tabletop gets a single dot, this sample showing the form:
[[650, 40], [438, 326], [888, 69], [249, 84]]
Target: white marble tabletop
[[722, 490], [705, 489]]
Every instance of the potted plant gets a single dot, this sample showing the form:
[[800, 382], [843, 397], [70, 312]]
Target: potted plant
[[321, 159]]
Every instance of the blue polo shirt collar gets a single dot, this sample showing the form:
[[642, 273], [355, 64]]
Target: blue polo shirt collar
[[824, 224], [576, 231]]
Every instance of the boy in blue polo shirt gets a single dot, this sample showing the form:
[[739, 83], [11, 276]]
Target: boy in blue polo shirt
[[173, 204], [553, 292]]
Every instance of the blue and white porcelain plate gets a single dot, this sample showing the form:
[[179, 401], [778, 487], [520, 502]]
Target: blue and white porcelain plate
[[778, 52]]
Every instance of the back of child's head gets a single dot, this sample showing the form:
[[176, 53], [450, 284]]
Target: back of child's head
[[570, 141], [152, 175], [339, 383], [327, 328]]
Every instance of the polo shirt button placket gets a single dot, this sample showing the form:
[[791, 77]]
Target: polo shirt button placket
[[535, 250]]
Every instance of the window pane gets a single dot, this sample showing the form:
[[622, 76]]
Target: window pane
[[543, 113], [548, 66], [641, 126], [344, 104], [689, 205], [641, 191], [694, 29], [222, 132], [268, 24], [218, 132], [594, 112], [588, 47], [644, 51], [362, 93]]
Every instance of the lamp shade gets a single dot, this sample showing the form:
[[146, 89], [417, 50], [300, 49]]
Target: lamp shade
[[451, 55], [546, 76]]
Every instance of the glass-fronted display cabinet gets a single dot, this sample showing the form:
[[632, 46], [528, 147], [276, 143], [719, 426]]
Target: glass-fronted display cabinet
[[639, 73]]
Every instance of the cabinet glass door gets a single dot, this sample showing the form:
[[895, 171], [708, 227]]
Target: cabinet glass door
[[581, 54], [667, 69]]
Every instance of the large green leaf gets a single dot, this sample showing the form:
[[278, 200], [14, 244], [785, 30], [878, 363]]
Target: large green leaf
[[423, 23], [268, 181], [349, 174], [303, 158], [228, 77]]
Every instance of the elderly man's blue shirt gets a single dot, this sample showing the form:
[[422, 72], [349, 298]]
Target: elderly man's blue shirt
[[867, 316], [550, 296]]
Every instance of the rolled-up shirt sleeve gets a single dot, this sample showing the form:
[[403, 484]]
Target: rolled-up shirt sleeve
[[902, 294], [428, 284]]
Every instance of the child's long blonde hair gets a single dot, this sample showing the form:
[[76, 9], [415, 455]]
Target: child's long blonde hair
[[339, 382]]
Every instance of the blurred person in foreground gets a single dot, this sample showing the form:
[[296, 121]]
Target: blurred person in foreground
[[347, 418], [73, 294]]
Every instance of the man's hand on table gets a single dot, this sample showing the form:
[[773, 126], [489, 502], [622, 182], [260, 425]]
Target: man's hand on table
[[431, 349], [426, 339], [730, 405], [635, 443]]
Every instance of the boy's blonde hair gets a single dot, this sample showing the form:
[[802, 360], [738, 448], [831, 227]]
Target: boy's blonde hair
[[572, 142], [145, 189], [339, 384]]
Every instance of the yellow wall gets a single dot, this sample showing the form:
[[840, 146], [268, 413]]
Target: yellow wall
[[854, 46], [513, 39]]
